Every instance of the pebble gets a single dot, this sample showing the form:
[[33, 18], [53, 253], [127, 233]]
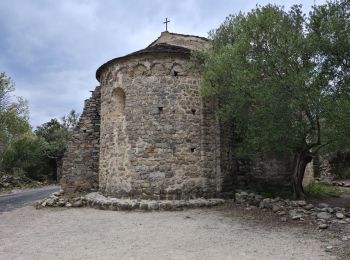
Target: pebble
[[302, 203], [334, 226], [77, 204], [323, 226], [323, 205], [338, 209], [339, 215], [329, 248], [308, 206], [265, 204], [243, 193], [324, 215], [342, 222], [295, 214], [275, 208]]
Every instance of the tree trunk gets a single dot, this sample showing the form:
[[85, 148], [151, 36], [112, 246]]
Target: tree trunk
[[301, 159]]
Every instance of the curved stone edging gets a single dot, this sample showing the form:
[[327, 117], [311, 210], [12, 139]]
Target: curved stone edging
[[96, 200]]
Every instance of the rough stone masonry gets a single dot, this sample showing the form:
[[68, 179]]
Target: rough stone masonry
[[147, 133]]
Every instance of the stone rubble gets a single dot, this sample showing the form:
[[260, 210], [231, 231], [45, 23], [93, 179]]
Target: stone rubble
[[325, 217], [10, 181], [341, 183], [98, 201]]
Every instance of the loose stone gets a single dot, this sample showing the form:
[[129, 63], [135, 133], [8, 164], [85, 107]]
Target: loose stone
[[323, 226], [334, 226], [339, 215], [308, 206], [323, 205], [324, 215]]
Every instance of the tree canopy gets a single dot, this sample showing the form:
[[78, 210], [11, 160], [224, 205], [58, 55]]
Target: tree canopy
[[283, 78], [13, 113], [35, 154]]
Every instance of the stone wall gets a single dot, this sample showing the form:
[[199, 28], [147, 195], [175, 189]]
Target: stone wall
[[260, 172], [81, 160], [159, 140]]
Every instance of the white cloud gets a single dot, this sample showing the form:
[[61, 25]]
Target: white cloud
[[53, 48]]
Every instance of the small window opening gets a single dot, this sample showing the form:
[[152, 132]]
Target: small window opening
[[84, 131], [118, 99], [176, 73], [160, 110], [193, 111], [193, 150]]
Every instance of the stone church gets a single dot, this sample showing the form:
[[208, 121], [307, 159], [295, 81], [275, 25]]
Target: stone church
[[146, 132]]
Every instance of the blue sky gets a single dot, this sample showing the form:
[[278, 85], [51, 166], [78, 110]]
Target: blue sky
[[51, 49]]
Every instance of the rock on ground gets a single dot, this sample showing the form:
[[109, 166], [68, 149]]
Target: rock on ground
[[84, 233]]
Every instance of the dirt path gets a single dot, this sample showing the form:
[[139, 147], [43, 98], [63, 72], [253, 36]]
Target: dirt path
[[83, 233]]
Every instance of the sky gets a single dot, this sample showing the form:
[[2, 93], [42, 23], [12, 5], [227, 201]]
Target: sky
[[51, 49]]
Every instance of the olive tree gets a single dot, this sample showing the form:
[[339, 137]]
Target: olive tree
[[281, 80]]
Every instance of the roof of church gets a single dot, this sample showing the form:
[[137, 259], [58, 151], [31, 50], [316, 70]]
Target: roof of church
[[165, 43], [178, 35]]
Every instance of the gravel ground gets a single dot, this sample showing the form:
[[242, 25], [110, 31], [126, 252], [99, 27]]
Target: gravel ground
[[86, 233]]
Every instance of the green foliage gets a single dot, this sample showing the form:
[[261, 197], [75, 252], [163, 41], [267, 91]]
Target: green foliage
[[319, 189], [56, 136], [329, 34], [13, 113], [26, 154], [283, 79], [21, 151], [261, 78], [71, 120]]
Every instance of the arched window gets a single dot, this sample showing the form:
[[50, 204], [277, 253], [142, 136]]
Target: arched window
[[118, 99]]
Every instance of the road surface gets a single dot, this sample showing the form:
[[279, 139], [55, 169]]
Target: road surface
[[23, 198]]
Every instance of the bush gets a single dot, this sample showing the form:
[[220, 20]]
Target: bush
[[27, 154]]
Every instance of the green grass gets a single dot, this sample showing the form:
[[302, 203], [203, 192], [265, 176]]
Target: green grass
[[319, 189]]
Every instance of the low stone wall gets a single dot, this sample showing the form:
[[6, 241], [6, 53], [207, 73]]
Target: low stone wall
[[98, 201], [81, 160]]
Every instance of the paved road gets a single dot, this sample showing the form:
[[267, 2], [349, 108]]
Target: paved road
[[23, 198]]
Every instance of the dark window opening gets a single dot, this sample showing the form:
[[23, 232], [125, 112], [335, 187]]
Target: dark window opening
[[193, 150], [193, 111], [84, 131], [160, 110], [175, 73]]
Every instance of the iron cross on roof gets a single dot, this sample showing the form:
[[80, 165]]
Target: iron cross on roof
[[166, 24]]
